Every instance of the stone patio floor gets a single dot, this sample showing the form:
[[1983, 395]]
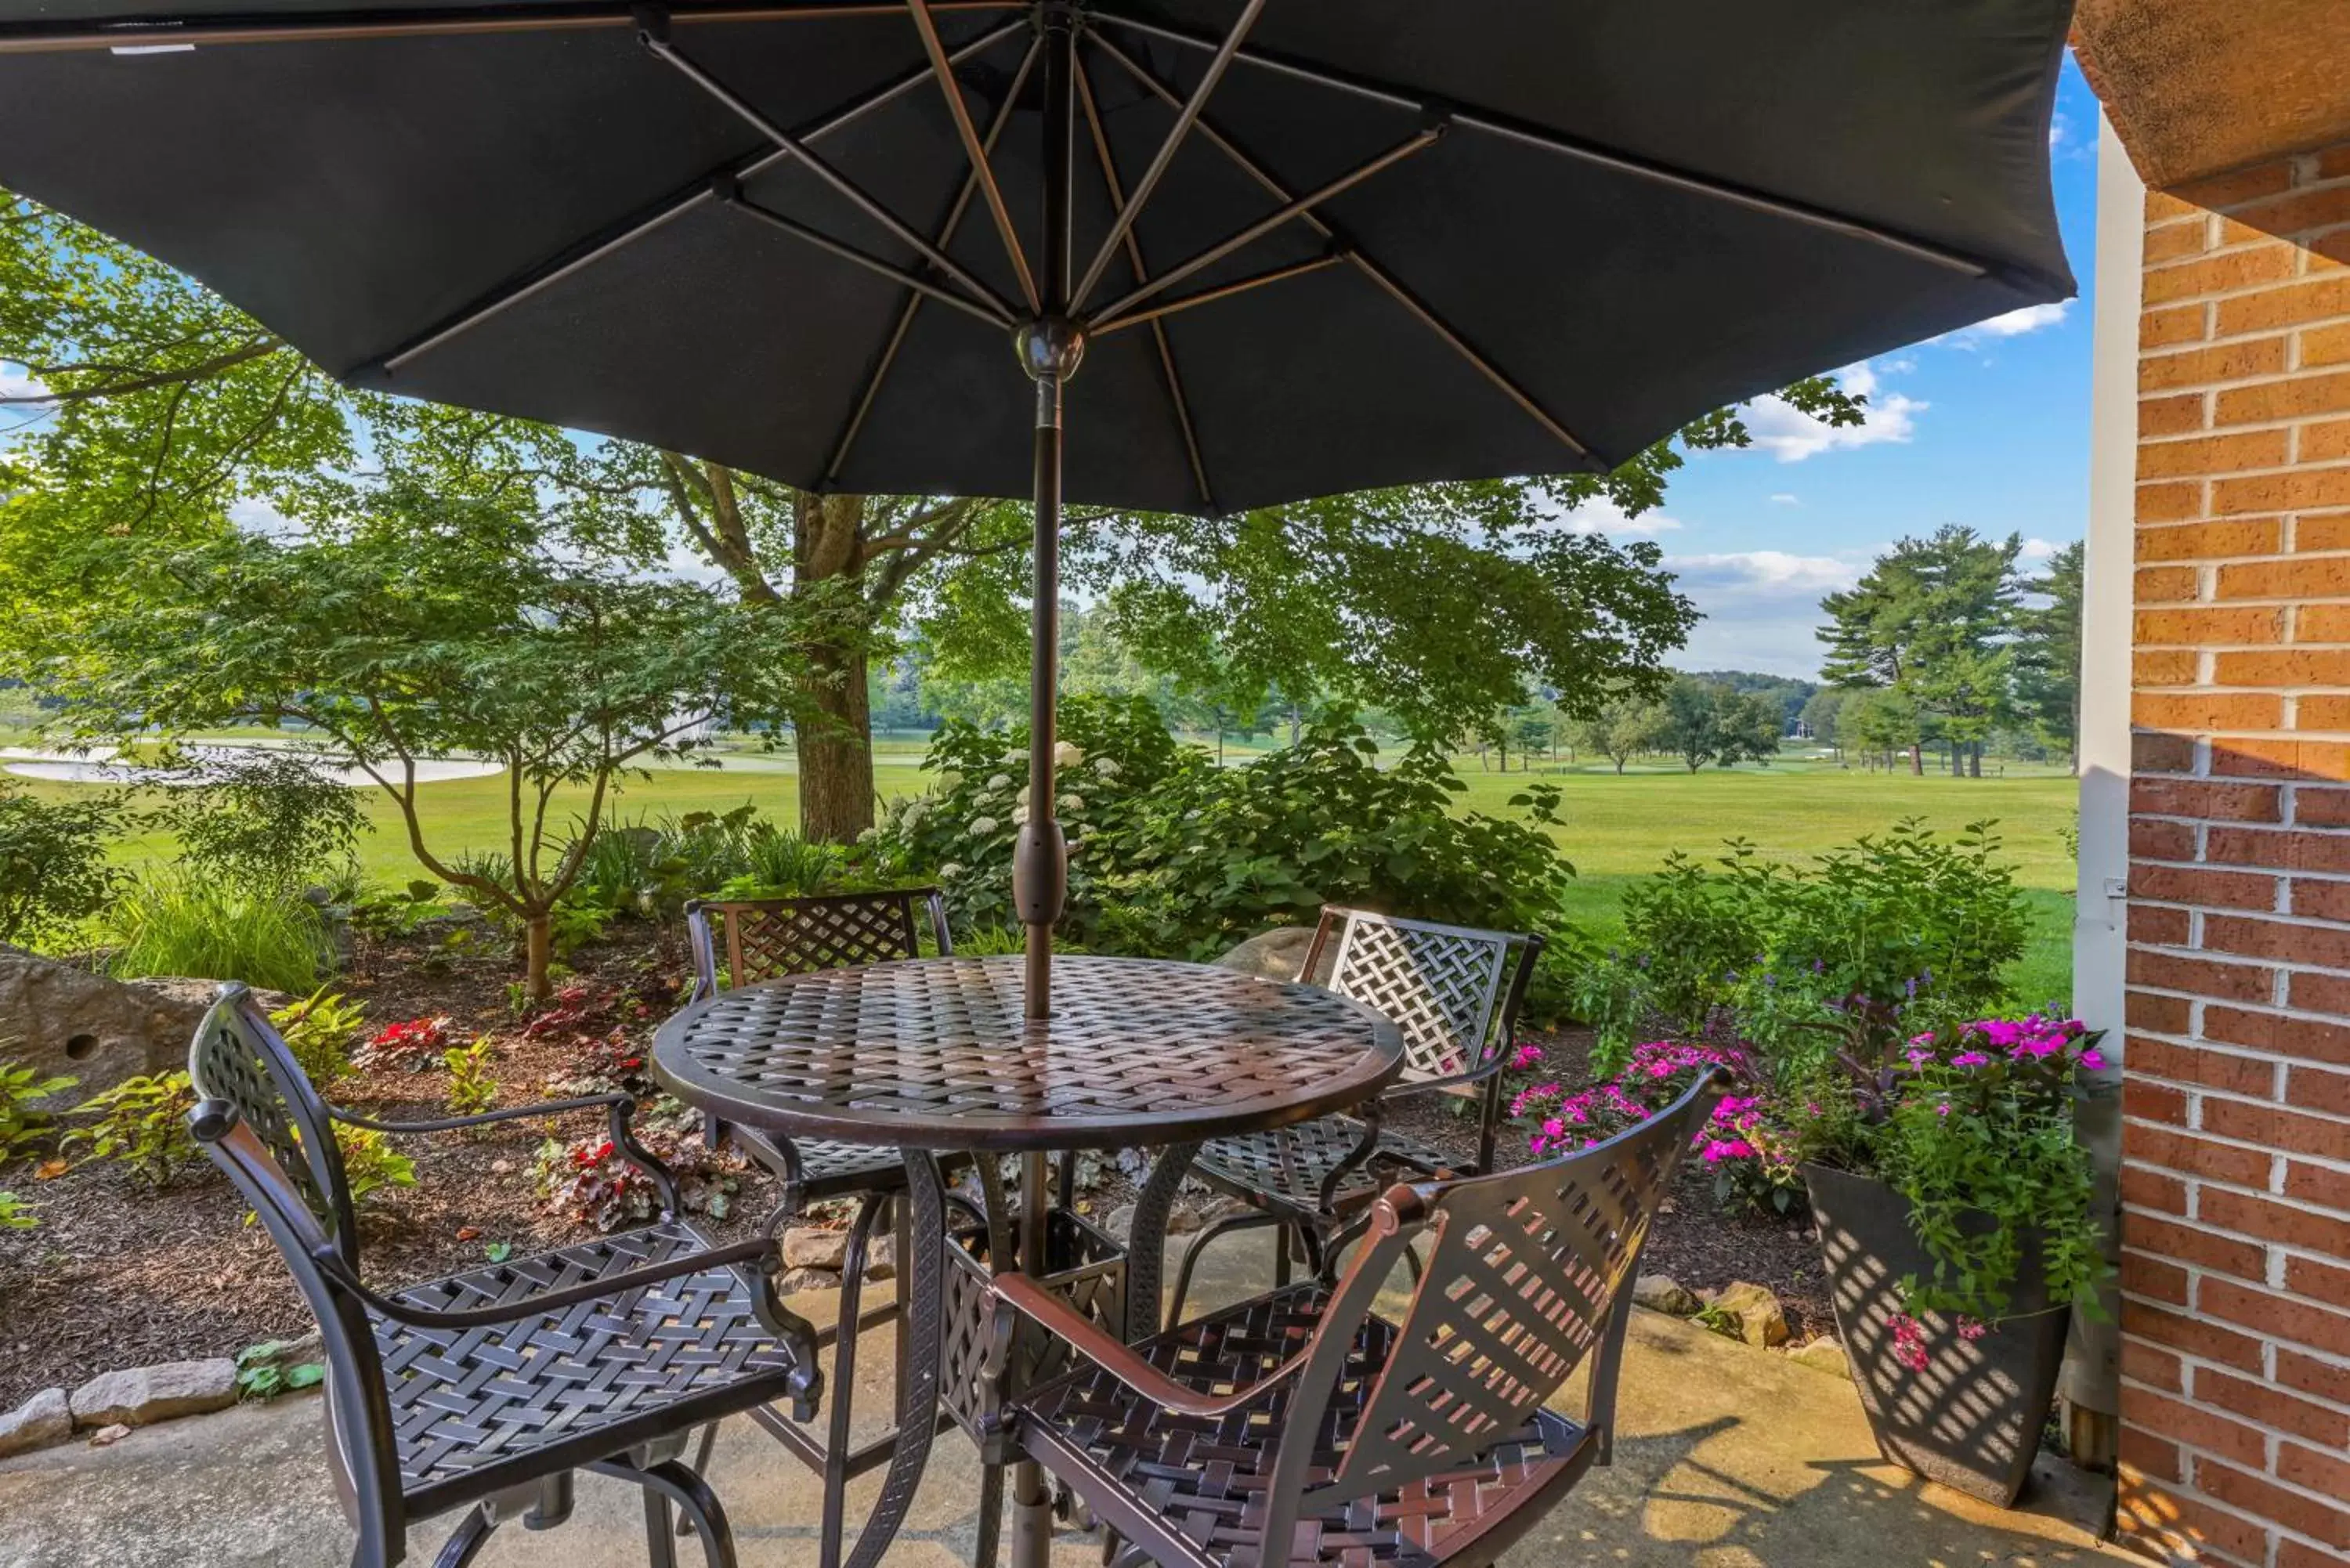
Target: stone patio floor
[[1728, 1458]]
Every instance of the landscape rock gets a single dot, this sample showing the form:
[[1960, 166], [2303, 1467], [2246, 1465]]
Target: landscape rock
[[139, 1395], [43, 1419], [811, 1247], [59, 1018], [1181, 1220], [1761, 1319], [1276, 954], [107, 1437], [1662, 1293], [798, 1282], [1120, 1223], [1824, 1356], [881, 1259]]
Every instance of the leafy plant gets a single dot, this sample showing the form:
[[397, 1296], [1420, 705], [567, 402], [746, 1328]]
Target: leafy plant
[[410, 1045], [593, 1181], [54, 872], [472, 1089], [272, 821], [395, 912], [22, 1122], [371, 1166], [173, 923], [263, 1371], [15, 1214], [142, 1123], [1973, 1125], [1171, 853], [319, 1031]]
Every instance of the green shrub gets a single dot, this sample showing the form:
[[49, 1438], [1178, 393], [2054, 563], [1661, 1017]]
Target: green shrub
[[1901, 929], [472, 1089], [142, 1123], [319, 1030], [172, 923], [15, 1214], [53, 867], [1173, 856], [272, 821], [381, 912], [22, 1123], [371, 1166]]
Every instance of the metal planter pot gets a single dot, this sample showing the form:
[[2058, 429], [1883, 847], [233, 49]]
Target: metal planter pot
[[1971, 1419]]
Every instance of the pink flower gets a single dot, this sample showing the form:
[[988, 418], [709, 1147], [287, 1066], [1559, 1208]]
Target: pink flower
[[1719, 1149], [1909, 1342], [2092, 1060], [1525, 1056], [1972, 1328], [1943, 1109], [1970, 1059]]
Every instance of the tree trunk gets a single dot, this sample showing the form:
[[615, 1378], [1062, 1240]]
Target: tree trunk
[[1918, 758], [1974, 760], [538, 950], [836, 752]]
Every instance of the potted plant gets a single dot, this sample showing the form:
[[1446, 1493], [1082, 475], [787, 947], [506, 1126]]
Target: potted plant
[[1953, 1204]]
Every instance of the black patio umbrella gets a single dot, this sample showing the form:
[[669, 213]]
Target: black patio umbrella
[[1299, 247]]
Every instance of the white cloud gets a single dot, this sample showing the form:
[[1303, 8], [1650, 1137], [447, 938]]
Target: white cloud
[[2039, 549], [18, 380], [258, 516], [2057, 131], [1604, 516], [1784, 499], [2013, 324], [1791, 435], [1760, 607]]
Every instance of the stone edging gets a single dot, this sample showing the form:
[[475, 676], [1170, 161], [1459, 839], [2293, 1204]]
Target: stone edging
[[1746, 1313]]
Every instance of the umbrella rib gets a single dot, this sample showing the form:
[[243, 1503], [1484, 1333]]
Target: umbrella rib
[[547, 274], [1296, 206], [1132, 205], [939, 65], [849, 253], [442, 22], [1181, 303], [913, 305], [1656, 171], [1133, 245], [656, 41], [1378, 275]]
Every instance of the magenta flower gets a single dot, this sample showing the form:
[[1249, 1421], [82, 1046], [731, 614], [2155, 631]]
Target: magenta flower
[[1970, 1059], [1525, 1056], [2092, 1059]]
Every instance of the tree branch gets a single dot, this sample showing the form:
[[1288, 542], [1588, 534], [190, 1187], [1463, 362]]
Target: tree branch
[[260, 348]]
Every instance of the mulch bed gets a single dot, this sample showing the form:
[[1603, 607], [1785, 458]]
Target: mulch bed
[[121, 1273]]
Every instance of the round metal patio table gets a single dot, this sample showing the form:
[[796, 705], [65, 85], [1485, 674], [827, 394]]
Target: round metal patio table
[[934, 1056]]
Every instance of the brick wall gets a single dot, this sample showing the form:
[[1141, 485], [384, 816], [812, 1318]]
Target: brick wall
[[2236, 1143]]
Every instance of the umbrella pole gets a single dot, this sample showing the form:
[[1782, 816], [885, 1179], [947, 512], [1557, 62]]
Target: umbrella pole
[[1049, 348]]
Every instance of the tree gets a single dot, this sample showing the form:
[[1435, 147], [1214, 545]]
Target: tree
[[2048, 652], [429, 626], [1879, 723], [1622, 729], [1704, 721], [1823, 714], [1932, 620], [54, 870], [161, 408]]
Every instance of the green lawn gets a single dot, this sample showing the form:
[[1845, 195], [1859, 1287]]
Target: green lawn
[[1614, 828]]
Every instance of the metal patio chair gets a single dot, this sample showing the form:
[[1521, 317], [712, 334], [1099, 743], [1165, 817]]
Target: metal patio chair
[[739, 941], [1455, 992], [488, 1389], [1306, 1418]]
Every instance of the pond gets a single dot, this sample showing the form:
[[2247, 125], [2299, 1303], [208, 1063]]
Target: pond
[[97, 767]]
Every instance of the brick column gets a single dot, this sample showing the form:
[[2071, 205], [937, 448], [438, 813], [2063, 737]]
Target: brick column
[[2235, 1181]]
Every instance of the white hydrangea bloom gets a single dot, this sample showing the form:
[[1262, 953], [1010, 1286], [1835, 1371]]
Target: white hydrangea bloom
[[981, 827], [1073, 803], [1019, 817], [1106, 766], [949, 871], [1068, 754], [1001, 781]]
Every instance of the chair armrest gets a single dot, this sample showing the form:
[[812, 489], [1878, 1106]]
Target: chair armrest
[[620, 1108], [1474, 1076], [1057, 1317], [330, 1263]]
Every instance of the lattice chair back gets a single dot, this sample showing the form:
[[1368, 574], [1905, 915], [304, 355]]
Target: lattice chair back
[[1443, 985], [1528, 1270], [260, 1120], [759, 939]]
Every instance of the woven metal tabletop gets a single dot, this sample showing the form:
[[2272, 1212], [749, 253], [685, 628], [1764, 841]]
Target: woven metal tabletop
[[934, 1053]]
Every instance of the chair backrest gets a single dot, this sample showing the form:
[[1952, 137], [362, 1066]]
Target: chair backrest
[[1528, 1270], [1451, 990], [759, 939], [258, 1118]]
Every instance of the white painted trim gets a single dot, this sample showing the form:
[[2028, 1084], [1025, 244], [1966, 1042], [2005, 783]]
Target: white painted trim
[[2100, 952]]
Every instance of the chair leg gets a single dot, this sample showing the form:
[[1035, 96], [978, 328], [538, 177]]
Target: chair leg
[[1281, 1245], [661, 1547], [990, 1516], [703, 1447], [692, 1497], [466, 1542], [1250, 1220]]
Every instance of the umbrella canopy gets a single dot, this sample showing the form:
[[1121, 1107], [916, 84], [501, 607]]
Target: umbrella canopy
[[1298, 247]]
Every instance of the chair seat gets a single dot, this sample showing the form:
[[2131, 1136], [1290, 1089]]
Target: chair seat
[[1195, 1480], [829, 1168], [1284, 1168], [473, 1408]]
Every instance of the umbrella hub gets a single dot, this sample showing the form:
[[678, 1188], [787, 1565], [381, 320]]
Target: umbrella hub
[[1049, 347]]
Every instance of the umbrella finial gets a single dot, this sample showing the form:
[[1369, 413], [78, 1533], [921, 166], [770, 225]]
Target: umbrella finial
[[1050, 347]]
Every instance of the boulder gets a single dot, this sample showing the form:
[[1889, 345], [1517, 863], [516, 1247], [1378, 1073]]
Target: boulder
[[800, 1282], [1824, 1356], [812, 1247], [1276, 954], [1662, 1293], [1761, 1319], [59, 1017], [881, 1259], [145, 1394], [43, 1419]]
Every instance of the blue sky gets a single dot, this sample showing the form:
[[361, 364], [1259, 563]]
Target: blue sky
[[1989, 428]]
